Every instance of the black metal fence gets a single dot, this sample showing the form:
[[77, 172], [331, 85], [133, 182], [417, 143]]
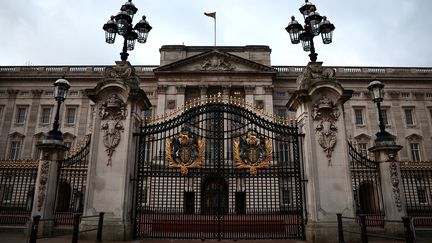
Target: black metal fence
[[220, 198], [362, 232], [17, 183], [77, 217], [71, 187], [417, 184], [366, 184]]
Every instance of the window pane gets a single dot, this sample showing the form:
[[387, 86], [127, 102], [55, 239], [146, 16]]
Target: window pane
[[70, 115], [21, 115], [384, 117], [15, 150], [358, 116], [362, 147], [409, 117], [45, 116], [415, 152]]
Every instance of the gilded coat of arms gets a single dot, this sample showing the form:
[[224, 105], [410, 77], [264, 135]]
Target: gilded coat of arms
[[185, 151], [252, 152]]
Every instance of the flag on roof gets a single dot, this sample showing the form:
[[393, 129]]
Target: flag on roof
[[212, 14]]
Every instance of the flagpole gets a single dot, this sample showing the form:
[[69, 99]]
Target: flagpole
[[215, 31]]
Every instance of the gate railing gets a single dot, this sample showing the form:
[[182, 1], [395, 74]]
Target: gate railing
[[417, 183], [219, 199], [72, 177], [17, 183], [365, 178]]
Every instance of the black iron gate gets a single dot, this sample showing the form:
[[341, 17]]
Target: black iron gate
[[366, 183], [72, 177], [219, 170]]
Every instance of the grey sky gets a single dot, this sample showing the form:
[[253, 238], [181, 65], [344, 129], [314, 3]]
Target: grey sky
[[69, 32]]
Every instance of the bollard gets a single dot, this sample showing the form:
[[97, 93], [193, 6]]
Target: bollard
[[75, 232], [100, 226], [410, 236], [340, 228], [364, 238], [34, 229]]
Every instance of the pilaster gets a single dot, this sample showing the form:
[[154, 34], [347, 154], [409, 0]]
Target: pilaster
[[318, 103], [161, 100], [46, 185], [119, 101]]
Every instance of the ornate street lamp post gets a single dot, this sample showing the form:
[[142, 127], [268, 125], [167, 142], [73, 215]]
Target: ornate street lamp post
[[376, 89], [122, 24], [61, 87], [314, 25]]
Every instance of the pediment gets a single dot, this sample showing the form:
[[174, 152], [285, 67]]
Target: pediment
[[215, 61]]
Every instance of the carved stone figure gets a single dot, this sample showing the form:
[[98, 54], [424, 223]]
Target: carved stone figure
[[395, 183], [325, 114], [43, 179], [112, 112], [217, 64]]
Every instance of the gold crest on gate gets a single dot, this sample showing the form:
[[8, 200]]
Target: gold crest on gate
[[252, 152], [185, 151]]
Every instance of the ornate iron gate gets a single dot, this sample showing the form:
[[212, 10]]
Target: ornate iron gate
[[219, 169], [72, 177], [366, 183]]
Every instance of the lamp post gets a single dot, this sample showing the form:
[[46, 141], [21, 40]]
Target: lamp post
[[376, 89], [314, 25], [122, 24], [61, 87]]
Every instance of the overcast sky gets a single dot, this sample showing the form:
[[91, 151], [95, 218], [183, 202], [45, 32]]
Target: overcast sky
[[69, 32]]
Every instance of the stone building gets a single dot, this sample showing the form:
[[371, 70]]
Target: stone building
[[188, 72], [213, 97]]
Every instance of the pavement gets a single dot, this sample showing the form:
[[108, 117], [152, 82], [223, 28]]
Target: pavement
[[18, 237], [15, 237]]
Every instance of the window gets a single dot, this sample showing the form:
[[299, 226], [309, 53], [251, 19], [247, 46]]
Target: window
[[362, 148], [21, 115], [73, 93], [358, 113], [49, 93], [45, 115], [356, 94], [285, 196], [384, 115], [70, 115], [415, 152], [68, 144], [7, 193], [280, 94], [409, 119], [405, 94], [421, 195], [25, 93], [15, 149], [37, 152], [281, 113]]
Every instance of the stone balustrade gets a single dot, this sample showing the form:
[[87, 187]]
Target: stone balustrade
[[149, 68]]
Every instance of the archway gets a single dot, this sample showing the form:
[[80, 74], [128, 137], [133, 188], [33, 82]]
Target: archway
[[214, 194]]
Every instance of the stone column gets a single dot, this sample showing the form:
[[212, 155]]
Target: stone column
[[46, 185], [32, 121], [180, 96], [391, 184], [249, 94], [8, 121], [119, 102], [268, 99], [318, 103], [161, 100], [203, 91]]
